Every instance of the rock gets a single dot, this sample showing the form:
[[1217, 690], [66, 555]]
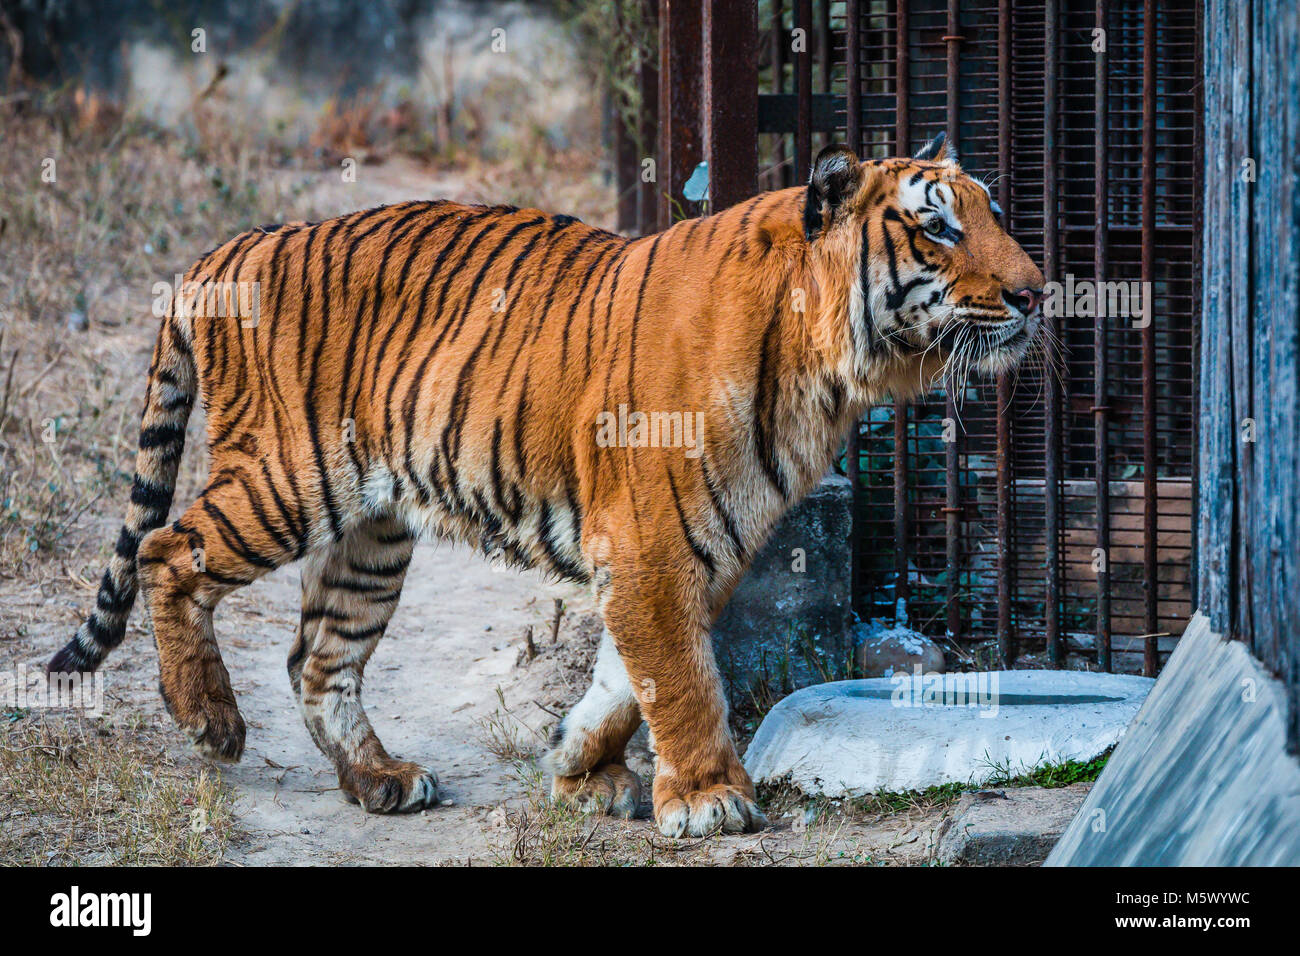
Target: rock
[[885, 651], [76, 321], [908, 733], [789, 614], [1017, 826]]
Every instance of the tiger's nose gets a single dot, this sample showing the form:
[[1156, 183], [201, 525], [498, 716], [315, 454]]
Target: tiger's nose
[[1029, 300]]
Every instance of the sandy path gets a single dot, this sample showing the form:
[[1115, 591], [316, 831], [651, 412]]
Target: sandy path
[[453, 642]]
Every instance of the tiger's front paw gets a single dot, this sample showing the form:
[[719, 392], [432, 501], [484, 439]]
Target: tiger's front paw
[[610, 788], [721, 807], [393, 786], [211, 721]]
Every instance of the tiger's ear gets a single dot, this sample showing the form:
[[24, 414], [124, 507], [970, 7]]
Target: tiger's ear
[[835, 175], [937, 150]]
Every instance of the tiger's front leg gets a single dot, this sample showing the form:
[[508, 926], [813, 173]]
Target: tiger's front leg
[[657, 617]]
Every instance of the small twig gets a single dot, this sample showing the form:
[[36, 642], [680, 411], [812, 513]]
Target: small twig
[[530, 649], [26, 389], [555, 621], [9, 382]]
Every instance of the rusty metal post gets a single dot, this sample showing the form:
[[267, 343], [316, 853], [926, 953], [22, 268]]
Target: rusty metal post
[[803, 74], [901, 139], [779, 40], [902, 81], [647, 200], [1150, 490], [681, 44], [627, 172], [1053, 374], [853, 74], [1100, 400], [853, 136], [824, 44], [730, 101], [1006, 635], [952, 450]]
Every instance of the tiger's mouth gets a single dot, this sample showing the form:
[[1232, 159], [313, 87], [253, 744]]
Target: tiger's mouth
[[973, 344]]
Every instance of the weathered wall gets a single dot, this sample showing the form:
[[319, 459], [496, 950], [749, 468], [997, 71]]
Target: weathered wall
[[1200, 777], [492, 71]]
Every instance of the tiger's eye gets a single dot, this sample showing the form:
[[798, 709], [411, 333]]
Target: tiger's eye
[[936, 226]]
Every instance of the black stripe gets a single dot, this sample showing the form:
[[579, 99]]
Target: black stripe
[[560, 562], [636, 318], [765, 393], [128, 544], [728, 522], [362, 635], [148, 495], [700, 552], [380, 570], [234, 540]]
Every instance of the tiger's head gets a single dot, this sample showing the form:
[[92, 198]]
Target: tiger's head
[[937, 282]]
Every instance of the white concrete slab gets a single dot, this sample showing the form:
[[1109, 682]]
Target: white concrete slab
[[909, 732]]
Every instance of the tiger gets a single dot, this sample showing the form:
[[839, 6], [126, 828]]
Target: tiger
[[438, 369]]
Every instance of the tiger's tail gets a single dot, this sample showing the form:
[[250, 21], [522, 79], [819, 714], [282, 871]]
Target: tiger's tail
[[169, 399]]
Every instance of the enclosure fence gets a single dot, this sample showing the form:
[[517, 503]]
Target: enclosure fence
[[1049, 512]]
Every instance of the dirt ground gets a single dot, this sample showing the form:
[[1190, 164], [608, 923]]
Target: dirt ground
[[448, 686]]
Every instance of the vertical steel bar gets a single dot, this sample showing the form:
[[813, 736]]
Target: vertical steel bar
[[779, 40], [853, 74], [853, 135], [730, 101], [902, 138], [827, 62], [1150, 654], [1100, 408], [681, 45], [902, 80], [803, 73], [1052, 373], [952, 451], [647, 201], [1006, 636]]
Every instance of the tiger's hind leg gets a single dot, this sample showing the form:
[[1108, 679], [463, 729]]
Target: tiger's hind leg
[[185, 569], [586, 755], [349, 591]]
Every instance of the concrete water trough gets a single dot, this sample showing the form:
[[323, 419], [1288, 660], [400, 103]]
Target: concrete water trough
[[909, 732]]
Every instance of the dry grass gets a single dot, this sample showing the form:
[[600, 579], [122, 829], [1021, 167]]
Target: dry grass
[[508, 738], [89, 793], [541, 833], [79, 257]]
